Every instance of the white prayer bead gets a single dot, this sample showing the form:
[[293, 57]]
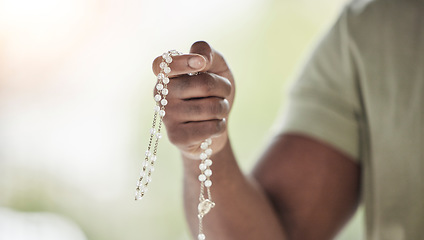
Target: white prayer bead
[[202, 167], [164, 102], [208, 151], [201, 236], [138, 196], [167, 70], [165, 80], [208, 162], [158, 97], [165, 91], [159, 86], [208, 172], [162, 113], [202, 177], [208, 183], [203, 156], [204, 145]]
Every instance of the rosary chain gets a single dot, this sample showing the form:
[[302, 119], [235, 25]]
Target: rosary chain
[[205, 202], [155, 131]]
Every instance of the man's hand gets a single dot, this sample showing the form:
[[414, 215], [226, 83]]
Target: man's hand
[[198, 105]]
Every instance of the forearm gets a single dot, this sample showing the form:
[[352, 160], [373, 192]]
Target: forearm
[[242, 210]]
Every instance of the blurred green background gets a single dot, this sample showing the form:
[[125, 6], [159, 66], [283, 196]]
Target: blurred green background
[[75, 101]]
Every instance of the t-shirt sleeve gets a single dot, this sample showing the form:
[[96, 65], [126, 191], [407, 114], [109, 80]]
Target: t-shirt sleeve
[[323, 101]]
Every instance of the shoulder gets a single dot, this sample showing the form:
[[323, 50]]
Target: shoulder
[[366, 7], [381, 11]]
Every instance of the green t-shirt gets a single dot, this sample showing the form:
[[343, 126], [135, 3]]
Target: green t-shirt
[[362, 91]]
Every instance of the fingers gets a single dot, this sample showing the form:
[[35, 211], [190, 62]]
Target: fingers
[[202, 85], [189, 122], [195, 110], [186, 134]]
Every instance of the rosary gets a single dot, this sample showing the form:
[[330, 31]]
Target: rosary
[[205, 202]]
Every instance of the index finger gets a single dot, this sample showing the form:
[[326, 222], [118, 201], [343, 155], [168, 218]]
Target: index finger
[[182, 64]]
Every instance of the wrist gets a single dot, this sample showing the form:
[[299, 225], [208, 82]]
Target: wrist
[[192, 152], [221, 152]]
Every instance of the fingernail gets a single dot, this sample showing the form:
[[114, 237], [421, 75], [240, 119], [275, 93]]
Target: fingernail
[[196, 62]]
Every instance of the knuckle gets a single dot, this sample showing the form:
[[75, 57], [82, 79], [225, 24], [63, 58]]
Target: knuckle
[[219, 108], [225, 107], [227, 88], [207, 83], [211, 84], [218, 127], [216, 107]]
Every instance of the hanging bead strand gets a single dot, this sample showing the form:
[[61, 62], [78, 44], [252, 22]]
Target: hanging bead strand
[[205, 203], [150, 155]]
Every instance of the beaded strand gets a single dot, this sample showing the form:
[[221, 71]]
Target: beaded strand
[[155, 132], [150, 157]]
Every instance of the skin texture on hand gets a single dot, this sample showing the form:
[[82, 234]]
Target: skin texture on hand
[[301, 189]]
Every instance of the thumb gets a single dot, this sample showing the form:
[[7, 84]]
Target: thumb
[[215, 63]]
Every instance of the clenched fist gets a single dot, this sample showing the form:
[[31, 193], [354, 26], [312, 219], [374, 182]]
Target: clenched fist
[[198, 105]]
